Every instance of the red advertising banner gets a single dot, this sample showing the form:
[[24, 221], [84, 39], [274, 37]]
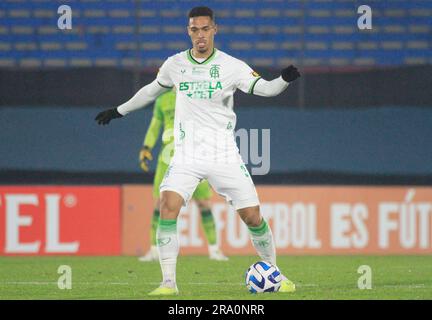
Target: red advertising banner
[[304, 220], [137, 211], [67, 220]]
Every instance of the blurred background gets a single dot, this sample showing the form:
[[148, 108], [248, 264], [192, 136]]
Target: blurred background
[[361, 109], [361, 114]]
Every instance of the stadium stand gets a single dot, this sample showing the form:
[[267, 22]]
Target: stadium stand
[[142, 33]]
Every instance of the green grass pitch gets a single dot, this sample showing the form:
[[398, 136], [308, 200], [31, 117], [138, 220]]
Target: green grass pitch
[[198, 278]]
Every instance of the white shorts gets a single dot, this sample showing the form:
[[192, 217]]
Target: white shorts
[[230, 180]]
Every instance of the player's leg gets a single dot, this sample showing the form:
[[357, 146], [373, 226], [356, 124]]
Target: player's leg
[[152, 254], [167, 242], [176, 189], [260, 233], [155, 222], [235, 183], [202, 196], [262, 239]]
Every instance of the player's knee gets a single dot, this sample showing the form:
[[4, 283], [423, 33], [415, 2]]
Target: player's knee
[[254, 221], [170, 205], [166, 207], [251, 216]]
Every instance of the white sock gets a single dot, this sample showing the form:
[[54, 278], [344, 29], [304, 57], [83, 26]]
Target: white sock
[[213, 248], [262, 240], [168, 248]]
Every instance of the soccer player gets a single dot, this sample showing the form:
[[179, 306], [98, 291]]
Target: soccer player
[[163, 116], [205, 80]]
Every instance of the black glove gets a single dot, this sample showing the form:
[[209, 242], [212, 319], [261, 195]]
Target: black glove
[[290, 73], [106, 116]]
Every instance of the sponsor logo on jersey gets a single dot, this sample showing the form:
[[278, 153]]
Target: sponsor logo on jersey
[[198, 71], [200, 89]]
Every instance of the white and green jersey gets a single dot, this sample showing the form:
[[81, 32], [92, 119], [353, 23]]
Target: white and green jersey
[[204, 117]]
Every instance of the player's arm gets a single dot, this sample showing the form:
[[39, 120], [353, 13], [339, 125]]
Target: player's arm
[[276, 86], [151, 137], [143, 97], [251, 82]]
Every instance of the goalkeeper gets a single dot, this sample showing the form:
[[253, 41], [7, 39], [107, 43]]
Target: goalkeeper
[[163, 116]]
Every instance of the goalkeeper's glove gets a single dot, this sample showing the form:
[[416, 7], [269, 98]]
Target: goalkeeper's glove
[[145, 156], [290, 73], [106, 116]]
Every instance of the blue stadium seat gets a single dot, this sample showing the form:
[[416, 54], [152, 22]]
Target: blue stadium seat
[[106, 31]]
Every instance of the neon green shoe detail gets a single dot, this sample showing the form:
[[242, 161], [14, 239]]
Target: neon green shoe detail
[[164, 291], [287, 286]]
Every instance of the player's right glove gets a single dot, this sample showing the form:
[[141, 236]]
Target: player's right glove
[[145, 156], [106, 116], [290, 73]]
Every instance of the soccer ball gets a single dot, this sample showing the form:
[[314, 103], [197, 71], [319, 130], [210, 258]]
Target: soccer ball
[[263, 276]]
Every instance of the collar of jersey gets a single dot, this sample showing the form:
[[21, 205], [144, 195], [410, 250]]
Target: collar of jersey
[[191, 58]]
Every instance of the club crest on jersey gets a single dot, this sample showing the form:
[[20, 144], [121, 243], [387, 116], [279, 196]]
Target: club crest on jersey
[[214, 71]]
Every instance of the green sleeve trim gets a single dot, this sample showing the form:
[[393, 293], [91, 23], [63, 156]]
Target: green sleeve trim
[[261, 229], [251, 89], [164, 86]]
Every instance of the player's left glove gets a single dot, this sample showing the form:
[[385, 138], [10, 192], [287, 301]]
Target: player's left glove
[[106, 116], [289, 74], [144, 157]]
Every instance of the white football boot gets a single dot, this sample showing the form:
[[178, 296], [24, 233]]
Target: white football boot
[[216, 254], [151, 255]]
